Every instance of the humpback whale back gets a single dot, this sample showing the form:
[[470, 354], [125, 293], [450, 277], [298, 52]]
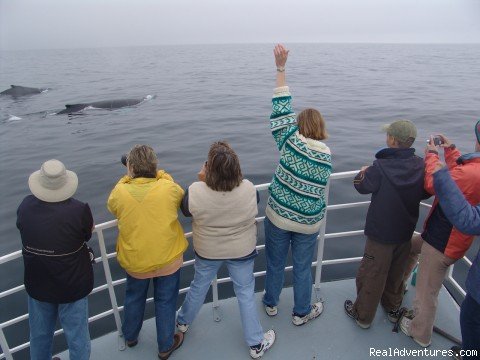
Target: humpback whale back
[[105, 104], [72, 108], [17, 90]]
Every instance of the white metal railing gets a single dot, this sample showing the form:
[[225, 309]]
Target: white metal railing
[[110, 284]]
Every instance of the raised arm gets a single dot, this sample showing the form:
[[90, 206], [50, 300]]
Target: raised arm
[[281, 56], [283, 120]]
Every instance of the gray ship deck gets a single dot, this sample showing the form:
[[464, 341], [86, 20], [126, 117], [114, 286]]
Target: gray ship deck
[[332, 336]]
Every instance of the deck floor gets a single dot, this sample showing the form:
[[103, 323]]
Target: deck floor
[[332, 336]]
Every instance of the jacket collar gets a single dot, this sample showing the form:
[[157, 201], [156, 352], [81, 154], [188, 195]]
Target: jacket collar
[[471, 157], [395, 153]]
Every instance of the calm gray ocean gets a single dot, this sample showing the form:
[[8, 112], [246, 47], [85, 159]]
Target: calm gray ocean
[[207, 93]]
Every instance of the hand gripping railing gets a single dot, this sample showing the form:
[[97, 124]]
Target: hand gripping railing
[[110, 284]]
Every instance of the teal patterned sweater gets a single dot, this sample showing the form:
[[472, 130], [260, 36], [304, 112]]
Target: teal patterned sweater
[[297, 192]]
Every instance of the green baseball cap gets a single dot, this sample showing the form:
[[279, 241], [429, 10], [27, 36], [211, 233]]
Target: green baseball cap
[[402, 130]]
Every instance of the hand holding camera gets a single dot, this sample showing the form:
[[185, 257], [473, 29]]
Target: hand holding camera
[[436, 141], [123, 159]]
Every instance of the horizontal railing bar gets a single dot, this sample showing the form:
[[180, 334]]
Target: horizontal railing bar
[[457, 286], [467, 260], [9, 257], [20, 347], [106, 225], [344, 175], [344, 233], [100, 316], [261, 187], [425, 205], [13, 321], [347, 205], [12, 291], [341, 261]]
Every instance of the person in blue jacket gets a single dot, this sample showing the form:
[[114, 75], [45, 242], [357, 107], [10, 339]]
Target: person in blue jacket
[[466, 218]]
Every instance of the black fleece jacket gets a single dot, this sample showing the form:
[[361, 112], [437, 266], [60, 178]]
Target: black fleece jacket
[[395, 181]]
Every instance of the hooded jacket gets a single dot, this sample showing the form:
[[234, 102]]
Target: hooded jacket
[[438, 230], [395, 181]]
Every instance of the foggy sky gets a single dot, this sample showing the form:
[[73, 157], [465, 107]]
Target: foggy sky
[[35, 24]]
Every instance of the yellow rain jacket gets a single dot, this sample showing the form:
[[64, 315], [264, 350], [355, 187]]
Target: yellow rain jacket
[[150, 235]]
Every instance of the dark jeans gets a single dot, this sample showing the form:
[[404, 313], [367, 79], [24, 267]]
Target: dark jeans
[[380, 278], [165, 294], [470, 325]]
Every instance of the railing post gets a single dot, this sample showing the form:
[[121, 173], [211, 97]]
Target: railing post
[[215, 304], [450, 272], [4, 345], [320, 247], [111, 290]]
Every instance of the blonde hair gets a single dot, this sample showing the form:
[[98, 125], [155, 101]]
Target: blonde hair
[[223, 171], [142, 161], [311, 124]]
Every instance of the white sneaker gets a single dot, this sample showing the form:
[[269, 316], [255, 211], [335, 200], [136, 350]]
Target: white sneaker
[[405, 326], [258, 350], [183, 328], [315, 312], [271, 310]]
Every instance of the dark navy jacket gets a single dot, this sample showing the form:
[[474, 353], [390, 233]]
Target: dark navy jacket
[[56, 259], [395, 181], [465, 217]]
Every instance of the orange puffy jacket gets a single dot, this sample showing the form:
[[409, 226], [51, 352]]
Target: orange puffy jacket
[[465, 171]]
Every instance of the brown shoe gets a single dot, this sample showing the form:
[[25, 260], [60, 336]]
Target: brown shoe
[[131, 343], [177, 342]]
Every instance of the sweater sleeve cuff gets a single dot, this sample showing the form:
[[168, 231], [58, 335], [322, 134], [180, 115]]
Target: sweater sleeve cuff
[[281, 91]]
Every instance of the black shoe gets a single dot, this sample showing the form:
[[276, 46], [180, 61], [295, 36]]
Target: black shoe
[[456, 352]]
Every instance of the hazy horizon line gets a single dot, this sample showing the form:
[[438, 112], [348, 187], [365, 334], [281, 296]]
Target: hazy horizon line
[[249, 43]]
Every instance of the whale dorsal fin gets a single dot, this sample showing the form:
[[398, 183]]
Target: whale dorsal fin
[[13, 86], [69, 106]]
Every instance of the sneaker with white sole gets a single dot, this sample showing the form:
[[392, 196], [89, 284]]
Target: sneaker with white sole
[[350, 311], [393, 315], [258, 350], [183, 328], [315, 312], [271, 310], [405, 323]]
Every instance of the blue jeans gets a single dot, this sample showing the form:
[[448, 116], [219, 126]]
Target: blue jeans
[[277, 243], [241, 272], [42, 317], [165, 295], [470, 325]]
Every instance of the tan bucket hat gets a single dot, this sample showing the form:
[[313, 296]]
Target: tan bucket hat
[[53, 182]]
